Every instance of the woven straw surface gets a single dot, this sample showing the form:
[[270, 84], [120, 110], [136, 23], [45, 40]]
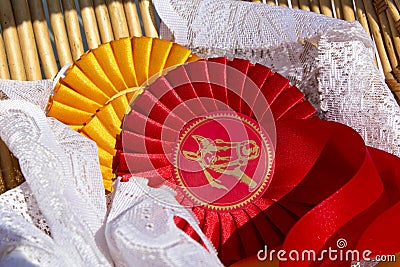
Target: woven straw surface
[[37, 39]]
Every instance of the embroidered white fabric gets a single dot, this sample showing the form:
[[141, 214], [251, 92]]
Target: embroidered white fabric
[[58, 217], [330, 60]]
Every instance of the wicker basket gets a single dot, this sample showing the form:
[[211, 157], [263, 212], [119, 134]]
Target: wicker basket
[[36, 40]]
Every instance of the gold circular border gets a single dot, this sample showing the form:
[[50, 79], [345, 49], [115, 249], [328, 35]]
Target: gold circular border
[[242, 203]]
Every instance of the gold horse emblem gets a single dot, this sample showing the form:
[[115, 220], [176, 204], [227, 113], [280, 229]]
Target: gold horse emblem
[[210, 156]]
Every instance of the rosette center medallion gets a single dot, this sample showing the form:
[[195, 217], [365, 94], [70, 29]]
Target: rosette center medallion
[[223, 160]]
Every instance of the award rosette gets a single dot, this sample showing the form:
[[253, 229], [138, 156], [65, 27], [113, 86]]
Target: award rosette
[[208, 130], [94, 93]]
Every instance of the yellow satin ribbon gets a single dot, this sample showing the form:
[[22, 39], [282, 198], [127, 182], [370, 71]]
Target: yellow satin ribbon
[[94, 95]]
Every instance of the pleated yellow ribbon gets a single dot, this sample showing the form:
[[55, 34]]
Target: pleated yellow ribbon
[[95, 93]]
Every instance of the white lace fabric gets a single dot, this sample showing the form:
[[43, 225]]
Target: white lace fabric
[[146, 233], [58, 217], [330, 60]]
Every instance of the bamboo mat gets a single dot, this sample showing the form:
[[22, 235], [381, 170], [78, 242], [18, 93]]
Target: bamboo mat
[[29, 30]]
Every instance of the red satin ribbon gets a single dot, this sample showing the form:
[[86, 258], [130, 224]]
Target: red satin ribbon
[[326, 185], [354, 196]]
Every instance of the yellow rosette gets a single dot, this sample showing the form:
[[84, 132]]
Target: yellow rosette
[[95, 92]]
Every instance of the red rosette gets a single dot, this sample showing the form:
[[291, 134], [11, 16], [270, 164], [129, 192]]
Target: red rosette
[[242, 148], [193, 100]]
